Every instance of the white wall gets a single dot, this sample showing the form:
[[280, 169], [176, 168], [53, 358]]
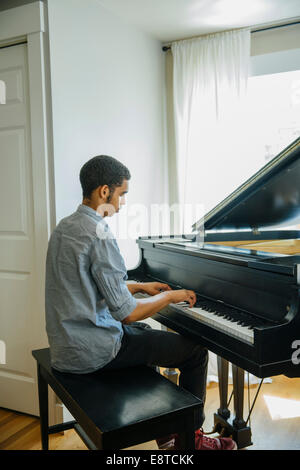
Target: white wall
[[107, 83]]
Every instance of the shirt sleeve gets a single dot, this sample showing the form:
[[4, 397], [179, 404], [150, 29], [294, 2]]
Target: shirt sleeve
[[109, 273]]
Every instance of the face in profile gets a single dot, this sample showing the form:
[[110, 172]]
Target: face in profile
[[114, 201]]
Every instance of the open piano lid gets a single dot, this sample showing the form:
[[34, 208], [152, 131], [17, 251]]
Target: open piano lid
[[271, 197]]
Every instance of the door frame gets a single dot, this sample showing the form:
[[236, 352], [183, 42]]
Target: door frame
[[28, 23]]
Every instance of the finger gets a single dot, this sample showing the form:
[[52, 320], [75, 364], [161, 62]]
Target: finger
[[193, 298], [164, 287], [188, 298], [192, 293]]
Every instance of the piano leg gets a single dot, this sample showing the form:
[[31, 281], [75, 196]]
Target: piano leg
[[236, 427], [241, 433], [221, 425], [223, 387], [238, 396]]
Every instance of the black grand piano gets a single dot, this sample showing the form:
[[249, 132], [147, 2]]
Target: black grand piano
[[246, 275]]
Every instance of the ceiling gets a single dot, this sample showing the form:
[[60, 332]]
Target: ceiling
[[169, 20]]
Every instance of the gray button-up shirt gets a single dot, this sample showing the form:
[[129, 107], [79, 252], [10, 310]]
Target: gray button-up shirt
[[86, 293]]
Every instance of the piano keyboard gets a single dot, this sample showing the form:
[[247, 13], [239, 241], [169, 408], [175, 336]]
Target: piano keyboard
[[220, 316], [230, 327]]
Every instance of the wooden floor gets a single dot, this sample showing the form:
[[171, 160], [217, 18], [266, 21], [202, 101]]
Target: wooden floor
[[275, 421]]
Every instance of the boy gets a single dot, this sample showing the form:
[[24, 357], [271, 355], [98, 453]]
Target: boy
[[92, 318]]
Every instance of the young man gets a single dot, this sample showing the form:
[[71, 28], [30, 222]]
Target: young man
[[92, 318]]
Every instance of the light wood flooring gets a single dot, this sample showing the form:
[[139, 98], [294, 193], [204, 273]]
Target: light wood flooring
[[275, 421]]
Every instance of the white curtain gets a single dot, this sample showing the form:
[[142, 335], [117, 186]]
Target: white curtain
[[209, 81]]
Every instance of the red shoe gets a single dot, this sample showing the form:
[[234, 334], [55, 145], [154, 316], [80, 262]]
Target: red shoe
[[213, 443], [201, 442]]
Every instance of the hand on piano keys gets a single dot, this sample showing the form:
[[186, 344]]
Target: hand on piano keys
[[153, 288], [183, 297]]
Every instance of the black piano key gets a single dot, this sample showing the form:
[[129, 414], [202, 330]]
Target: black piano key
[[229, 313]]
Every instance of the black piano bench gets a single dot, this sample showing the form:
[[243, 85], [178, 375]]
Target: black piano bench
[[117, 409]]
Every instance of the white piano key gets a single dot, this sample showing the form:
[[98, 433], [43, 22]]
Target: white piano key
[[220, 323]]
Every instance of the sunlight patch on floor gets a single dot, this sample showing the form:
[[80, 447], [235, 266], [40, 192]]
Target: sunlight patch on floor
[[282, 408]]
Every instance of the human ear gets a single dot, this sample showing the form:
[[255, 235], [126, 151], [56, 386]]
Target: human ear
[[104, 192]]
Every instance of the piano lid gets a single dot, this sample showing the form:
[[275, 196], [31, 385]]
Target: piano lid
[[271, 197]]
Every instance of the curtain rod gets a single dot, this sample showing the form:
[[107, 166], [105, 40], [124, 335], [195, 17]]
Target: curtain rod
[[167, 48]]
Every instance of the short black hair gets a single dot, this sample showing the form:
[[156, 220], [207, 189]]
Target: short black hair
[[101, 170]]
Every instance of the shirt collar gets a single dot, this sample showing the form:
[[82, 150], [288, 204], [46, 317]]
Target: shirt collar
[[83, 209]]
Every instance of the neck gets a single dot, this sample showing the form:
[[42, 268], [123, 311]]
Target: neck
[[89, 203]]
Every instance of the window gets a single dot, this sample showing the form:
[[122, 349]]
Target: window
[[248, 135]]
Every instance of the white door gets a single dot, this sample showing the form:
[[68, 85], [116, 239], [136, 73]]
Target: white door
[[20, 321]]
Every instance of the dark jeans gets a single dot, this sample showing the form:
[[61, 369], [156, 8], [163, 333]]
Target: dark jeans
[[143, 345]]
